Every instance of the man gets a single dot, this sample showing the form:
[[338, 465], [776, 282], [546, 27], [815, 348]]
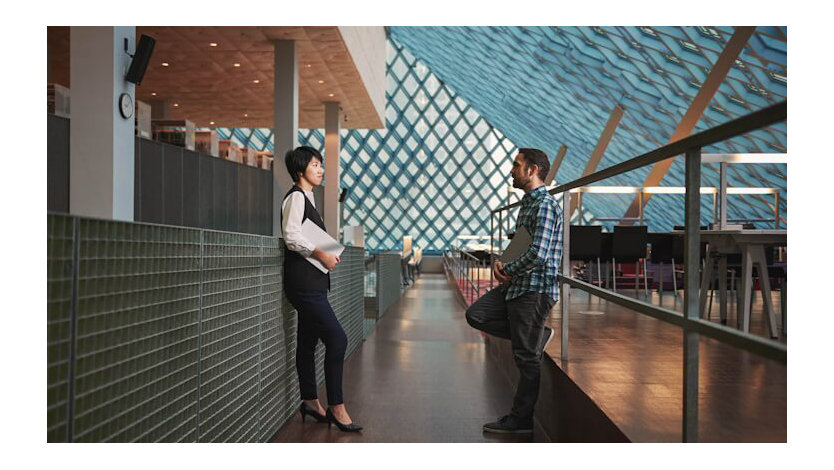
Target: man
[[517, 308]]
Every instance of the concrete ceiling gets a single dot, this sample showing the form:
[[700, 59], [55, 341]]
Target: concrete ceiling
[[204, 83]]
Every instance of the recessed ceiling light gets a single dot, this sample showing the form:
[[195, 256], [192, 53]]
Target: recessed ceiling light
[[213, 44], [309, 65], [237, 65], [245, 115], [212, 123], [331, 94], [256, 81], [165, 64], [153, 94], [321, 82], [175, 105]]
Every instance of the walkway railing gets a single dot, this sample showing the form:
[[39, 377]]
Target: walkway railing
[[693, 327], [464, 268]]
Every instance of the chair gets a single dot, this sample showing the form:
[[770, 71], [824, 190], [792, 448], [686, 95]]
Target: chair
[[414, 263], [782, 275], [406, 273], [666, 248], [629, 246], [586, 246], [606, 253]]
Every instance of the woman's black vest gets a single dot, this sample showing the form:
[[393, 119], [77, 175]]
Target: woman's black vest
[[299, 274]]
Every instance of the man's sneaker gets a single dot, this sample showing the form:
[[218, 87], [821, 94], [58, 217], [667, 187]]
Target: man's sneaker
[[547, 336], [509, 425]]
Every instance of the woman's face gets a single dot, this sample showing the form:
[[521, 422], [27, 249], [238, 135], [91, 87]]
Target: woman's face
[[313, 172]]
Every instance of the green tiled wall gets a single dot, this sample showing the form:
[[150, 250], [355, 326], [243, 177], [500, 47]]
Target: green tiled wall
[[172, 334]]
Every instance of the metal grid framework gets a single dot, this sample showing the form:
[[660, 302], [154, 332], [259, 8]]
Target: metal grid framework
[[172, 334], [548, 86], [383, 287], [230, 333], [59, 288], [433, 172], [136, 342], [347, 295], [389, 281]]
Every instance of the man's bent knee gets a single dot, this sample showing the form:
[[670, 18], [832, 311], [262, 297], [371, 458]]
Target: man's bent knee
[[471, 319]]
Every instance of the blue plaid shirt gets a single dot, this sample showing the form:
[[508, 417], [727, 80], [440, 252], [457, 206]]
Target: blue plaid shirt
[[536, 269]]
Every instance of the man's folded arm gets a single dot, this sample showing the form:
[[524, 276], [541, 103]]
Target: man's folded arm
[[543, 238]]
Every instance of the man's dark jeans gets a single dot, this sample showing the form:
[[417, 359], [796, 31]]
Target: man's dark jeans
[[520, 320]]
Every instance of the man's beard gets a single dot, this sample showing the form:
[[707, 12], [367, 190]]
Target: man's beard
[[519, 183]]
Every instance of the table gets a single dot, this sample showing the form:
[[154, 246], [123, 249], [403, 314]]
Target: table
[[751, 245]]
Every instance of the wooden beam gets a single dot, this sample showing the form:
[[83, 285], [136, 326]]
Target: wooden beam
[[557, 162], [696, 109], [602, 143]]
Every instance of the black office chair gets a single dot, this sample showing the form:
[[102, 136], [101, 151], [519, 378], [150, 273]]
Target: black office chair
[[666, 248], [782, 275], [606, 253], [586, 246], [629, 246]]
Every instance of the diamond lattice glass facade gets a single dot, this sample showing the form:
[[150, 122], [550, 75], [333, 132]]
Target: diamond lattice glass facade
[[548, 86], [460, 98], [434, 172]]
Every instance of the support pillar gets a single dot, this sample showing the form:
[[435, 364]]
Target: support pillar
[[285, 127], [564, 298], [722, 194], [332, 147], [691, 293], [102, 148], [160, 109]]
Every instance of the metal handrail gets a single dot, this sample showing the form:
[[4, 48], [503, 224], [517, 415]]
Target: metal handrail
[[690, 320], [768, 349], [464, 269], [751, 122]]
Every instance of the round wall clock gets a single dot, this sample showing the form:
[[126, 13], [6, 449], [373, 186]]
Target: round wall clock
[[126, 105]]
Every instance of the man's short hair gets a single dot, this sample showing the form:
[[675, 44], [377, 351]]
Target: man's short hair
[[538, 158], [298, 159]]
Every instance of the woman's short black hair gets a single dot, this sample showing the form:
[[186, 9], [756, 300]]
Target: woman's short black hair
[[298, 159]]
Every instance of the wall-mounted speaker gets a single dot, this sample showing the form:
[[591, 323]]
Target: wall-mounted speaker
[[141, 59]]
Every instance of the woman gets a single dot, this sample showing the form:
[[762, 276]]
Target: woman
[[306, 288]]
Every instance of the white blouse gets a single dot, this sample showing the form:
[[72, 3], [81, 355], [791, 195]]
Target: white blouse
[[293, 215]]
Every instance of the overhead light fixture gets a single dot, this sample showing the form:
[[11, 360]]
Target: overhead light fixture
[[245, 115], [752, 190], [237, 65], [309, 65], [153, 93], [176, 105], [211, 123], [609, 189], [676, 190], [744, 158], [213, 44], [330, 95], [321, 82], [165, 64], [256, 81]]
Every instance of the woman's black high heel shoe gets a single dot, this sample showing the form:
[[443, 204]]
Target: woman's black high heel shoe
[[320, 418], [350, 427]]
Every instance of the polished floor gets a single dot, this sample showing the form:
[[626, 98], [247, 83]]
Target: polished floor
[[630, 365], [422, 376]]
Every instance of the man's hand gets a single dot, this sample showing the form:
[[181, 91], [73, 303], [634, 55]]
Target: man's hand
[[498, 272]]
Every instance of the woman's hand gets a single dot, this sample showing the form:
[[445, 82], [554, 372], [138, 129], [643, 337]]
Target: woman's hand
[[329, 261]]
